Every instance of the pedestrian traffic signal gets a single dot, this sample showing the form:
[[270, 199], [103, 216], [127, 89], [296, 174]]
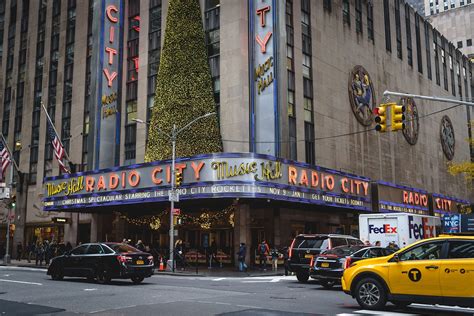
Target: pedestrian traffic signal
[[178, 179], [12, 202], [398, 117], [381, 118]]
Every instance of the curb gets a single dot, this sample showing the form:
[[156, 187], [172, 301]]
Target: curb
[[223, 275]]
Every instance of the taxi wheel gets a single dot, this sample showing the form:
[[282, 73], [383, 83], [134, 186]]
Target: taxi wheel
[[370, 294], [137, 279], [302, 277]]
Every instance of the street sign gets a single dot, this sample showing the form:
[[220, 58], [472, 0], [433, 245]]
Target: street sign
[[173, 197], [4, 193], [176, 212]]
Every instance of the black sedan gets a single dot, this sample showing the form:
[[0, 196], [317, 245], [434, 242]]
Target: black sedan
[[328, 267], [103, 262]]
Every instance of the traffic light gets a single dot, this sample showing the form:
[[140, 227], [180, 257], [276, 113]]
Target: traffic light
[[398, 117], [12, 230], [381, 118], [178, 179], [12, 202]]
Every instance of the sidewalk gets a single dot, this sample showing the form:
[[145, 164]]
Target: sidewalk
[[203, 271]]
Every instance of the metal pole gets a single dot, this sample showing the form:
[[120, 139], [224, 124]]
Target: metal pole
[[424, 97], [6, 259], [173, 142]]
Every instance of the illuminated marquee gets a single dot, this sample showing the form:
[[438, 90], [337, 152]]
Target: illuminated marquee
[[264, 90], [399, 198], [213, 176]]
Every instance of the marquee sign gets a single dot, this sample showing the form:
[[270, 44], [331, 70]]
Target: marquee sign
[[108, 82], [442, 204], [224, 175], [399, 198], [263, 76]]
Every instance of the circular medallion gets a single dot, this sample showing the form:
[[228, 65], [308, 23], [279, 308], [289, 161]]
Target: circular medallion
[[412, 121], [361, 95], [447, 137]]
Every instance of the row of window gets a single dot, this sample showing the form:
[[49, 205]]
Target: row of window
[[468, 43], [435, 7]]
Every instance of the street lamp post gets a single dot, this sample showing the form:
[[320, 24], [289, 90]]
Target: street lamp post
[[173, 195]]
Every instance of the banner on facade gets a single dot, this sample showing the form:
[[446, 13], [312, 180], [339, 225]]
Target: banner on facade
[[398, 198], [225, 175], [442, 204]]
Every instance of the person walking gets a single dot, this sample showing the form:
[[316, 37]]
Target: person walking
[[19, 251], [213, 254], [179, 250], [140, 246], [241, 257], [275, 255], [31, 250], [263, 250], [39, 253], [285, 259]]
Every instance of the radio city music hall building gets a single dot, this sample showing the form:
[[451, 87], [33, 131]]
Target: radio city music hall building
[[295, 83]]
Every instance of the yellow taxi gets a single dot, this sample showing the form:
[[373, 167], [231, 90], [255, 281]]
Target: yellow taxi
[[432, 271]]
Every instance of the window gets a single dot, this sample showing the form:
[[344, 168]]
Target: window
[[327, 5], [436, 56], [336, 242], [398, 29], [81, 250], [388, 35], [309, 143], [459, 44], [94, 250], [408, 30], [370, 21], [469, 42], [358, 15], [346, 12], [428, 49], [418, 43], [425, 251]]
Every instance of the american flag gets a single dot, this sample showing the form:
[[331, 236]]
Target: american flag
[[5, 159], [57, 147]]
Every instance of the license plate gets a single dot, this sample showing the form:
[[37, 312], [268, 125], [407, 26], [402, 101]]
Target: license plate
[[308, 256], [140, 262], [324, 265]]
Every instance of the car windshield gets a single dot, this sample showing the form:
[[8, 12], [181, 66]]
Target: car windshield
[[304, 242], [123, 248], [342, 251]]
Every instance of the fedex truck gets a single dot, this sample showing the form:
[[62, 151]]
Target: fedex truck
[[401, 228]]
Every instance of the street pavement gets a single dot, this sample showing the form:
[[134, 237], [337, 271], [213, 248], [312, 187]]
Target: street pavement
[[29, 291]]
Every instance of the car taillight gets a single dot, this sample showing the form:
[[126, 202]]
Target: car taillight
[[290, 251], [347, 264], [311, 262], [124, 259]]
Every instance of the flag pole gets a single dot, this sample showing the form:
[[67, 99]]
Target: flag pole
[[54, 128], [12, 159]]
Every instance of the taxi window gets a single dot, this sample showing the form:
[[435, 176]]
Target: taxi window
[[461, 249], [425, 251]]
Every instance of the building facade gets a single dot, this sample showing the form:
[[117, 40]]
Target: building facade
[[297, 80], [457, 25], [439, 6]]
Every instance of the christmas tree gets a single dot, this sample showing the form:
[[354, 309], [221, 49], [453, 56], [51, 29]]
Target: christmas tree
[[184, 88]]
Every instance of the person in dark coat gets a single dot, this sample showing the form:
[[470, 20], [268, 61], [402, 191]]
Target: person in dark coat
[[241, 257]]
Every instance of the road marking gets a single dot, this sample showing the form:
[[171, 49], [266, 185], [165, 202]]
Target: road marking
[[7, 275], [21, 282], [444, 307], [23, 268], [218, 279], [369, 312], [90, 289]]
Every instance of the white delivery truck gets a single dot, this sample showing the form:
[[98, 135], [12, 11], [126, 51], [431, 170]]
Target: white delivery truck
[[401, 228]]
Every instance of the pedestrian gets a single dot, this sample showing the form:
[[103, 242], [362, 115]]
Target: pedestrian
[[275, 255], [367, 243], [68, 247], [285, 259], [39, 253], [31, 250], [213, 254], [140, 246], [46, 251], [241, 257], [19, 251], [263, 250], [124, 241], [179, 250], [378, 243]]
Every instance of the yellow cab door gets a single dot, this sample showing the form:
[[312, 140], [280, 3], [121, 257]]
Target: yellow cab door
[[457, 270], [418, 270]]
